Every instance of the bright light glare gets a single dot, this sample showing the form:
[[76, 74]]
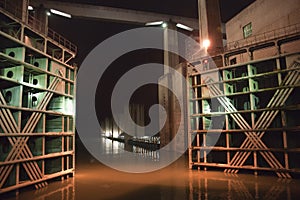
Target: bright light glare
[[154, 23], [57, 12], [30, 8], [206, 43], [48, 13], [184, 27], [164, 25]]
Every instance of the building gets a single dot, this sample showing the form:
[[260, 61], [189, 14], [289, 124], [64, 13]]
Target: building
[[264, 20]]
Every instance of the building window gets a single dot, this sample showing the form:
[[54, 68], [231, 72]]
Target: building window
[[247, 30]]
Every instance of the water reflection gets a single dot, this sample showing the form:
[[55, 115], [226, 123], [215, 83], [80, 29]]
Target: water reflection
[[96, 181], [64, 191], [216, 185], [111, 147], [60, 190]]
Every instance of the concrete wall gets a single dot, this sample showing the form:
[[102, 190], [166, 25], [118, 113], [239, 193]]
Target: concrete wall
[[265, 15]]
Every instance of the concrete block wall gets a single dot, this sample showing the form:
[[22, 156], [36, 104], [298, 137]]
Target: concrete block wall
[[265, 15]]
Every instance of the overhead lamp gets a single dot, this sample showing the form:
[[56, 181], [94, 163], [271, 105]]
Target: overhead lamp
[[182, 26], [57, 12], [206, 43], [164, 25], [30, 8], [157, 23]]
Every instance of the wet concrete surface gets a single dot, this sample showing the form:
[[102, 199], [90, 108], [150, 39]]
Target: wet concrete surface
[[94, 180]]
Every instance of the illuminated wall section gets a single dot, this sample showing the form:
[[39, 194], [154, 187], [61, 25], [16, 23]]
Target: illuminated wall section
[[37, 106]]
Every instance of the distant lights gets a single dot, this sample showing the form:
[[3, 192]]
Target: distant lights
[[182, 26], [30, 8], [48, 13], [206, 43], [57, 12]]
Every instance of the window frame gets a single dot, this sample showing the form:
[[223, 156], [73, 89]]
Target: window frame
[[247, 30]]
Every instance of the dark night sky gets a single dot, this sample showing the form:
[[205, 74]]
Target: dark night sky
[[87, 33]]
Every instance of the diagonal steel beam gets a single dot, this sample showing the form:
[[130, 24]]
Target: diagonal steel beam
[[253, 135], [28, 166], [243, 156], [9, 126], [278, 99], [12, 151], [22, 142], [272, 161], [269, 157], [51, 87], [19, 145], [269, 122], [253, 139]]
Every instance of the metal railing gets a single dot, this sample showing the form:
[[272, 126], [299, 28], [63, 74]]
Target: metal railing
[[264, 37], [37, 25], [61, 40]]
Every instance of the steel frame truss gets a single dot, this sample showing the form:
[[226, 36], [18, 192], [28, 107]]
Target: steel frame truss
[[20, 149], [253, 139]]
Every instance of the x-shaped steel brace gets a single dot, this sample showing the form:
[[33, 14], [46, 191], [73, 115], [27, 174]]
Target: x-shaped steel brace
[[253, 139], [20, 148]]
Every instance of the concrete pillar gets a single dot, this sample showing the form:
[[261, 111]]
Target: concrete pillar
[[210, 24], [203, 22], [16, 5], [165, 96], [166, 101], [25, 4], [170, 42], [42, 17]]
